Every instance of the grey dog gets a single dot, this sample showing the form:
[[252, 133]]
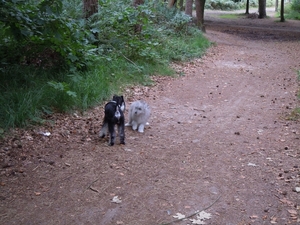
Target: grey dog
[[139, 113]]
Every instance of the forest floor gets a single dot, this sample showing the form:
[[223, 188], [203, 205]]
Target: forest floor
[[222, 137]]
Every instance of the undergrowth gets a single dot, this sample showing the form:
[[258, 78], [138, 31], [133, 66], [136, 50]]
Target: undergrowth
[[292, 10], [54, 60], [228, 5]]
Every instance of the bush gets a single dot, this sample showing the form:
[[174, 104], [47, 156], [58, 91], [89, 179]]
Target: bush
[[234, 5], [292, 10], [295, 5], [37, 34], [54, 60], [223, 5]]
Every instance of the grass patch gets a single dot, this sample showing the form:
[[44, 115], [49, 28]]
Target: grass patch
[[27, 100], [27, 94], [232, 16], [294, 115]]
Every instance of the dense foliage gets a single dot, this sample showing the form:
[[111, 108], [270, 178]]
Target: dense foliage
[[37, 34], [234, 4], [292, 10], [52, 58]]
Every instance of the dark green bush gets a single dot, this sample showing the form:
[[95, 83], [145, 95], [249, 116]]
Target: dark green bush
[[35, 33], [295, 5]]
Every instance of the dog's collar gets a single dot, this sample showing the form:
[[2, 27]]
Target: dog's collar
[[122, 107]]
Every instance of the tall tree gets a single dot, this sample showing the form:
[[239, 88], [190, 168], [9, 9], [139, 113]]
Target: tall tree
[[282, 11], [171, 3], [200, 14], [137, 2], [137, 27], [180, 5], [247, 7], [189, 7], [90, 7], [262, 9]]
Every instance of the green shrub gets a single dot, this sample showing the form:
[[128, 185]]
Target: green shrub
[[36, 33], [234, 5], [291, 10], [51, 59], [295, 5], [223, 5]]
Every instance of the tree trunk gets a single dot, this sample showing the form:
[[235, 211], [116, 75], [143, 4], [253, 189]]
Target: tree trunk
[[137, 2], [247, 7], [171, 3], [189, 7], [282, 11], [276, 6], [90, 7], [137, 27], [200, 14], [262, 9], [181, 5]]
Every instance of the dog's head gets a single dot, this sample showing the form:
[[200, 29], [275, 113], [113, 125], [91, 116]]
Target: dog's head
[[120, 102], [138, 108]]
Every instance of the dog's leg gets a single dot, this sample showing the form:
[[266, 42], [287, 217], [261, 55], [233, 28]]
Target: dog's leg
[[129, 122], [121, 131], [134, 125], [112, 134], [103, 130], [141, 128]]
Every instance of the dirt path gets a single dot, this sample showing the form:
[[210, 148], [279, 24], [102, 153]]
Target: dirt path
[[218, 132]]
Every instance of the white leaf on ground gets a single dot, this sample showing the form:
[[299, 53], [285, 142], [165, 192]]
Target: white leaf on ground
[[201, 217], [260, 131], [297, 189], [47, 134], [116, 199], [179, 216], [251, 164]]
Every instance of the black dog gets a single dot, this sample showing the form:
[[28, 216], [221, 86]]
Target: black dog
[[114, 115]]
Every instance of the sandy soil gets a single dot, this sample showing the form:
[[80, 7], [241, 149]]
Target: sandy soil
[[220, 138]]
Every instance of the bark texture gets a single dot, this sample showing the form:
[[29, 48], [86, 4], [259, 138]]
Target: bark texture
[[200, 14], [90, 7], [262, 9], [189, 7]]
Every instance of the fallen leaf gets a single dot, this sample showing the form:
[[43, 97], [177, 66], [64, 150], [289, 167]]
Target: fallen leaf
[[265, 217], [179, 216], [201, 217], [116, 200], [292, 211], [285, 201], [273, 220]]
